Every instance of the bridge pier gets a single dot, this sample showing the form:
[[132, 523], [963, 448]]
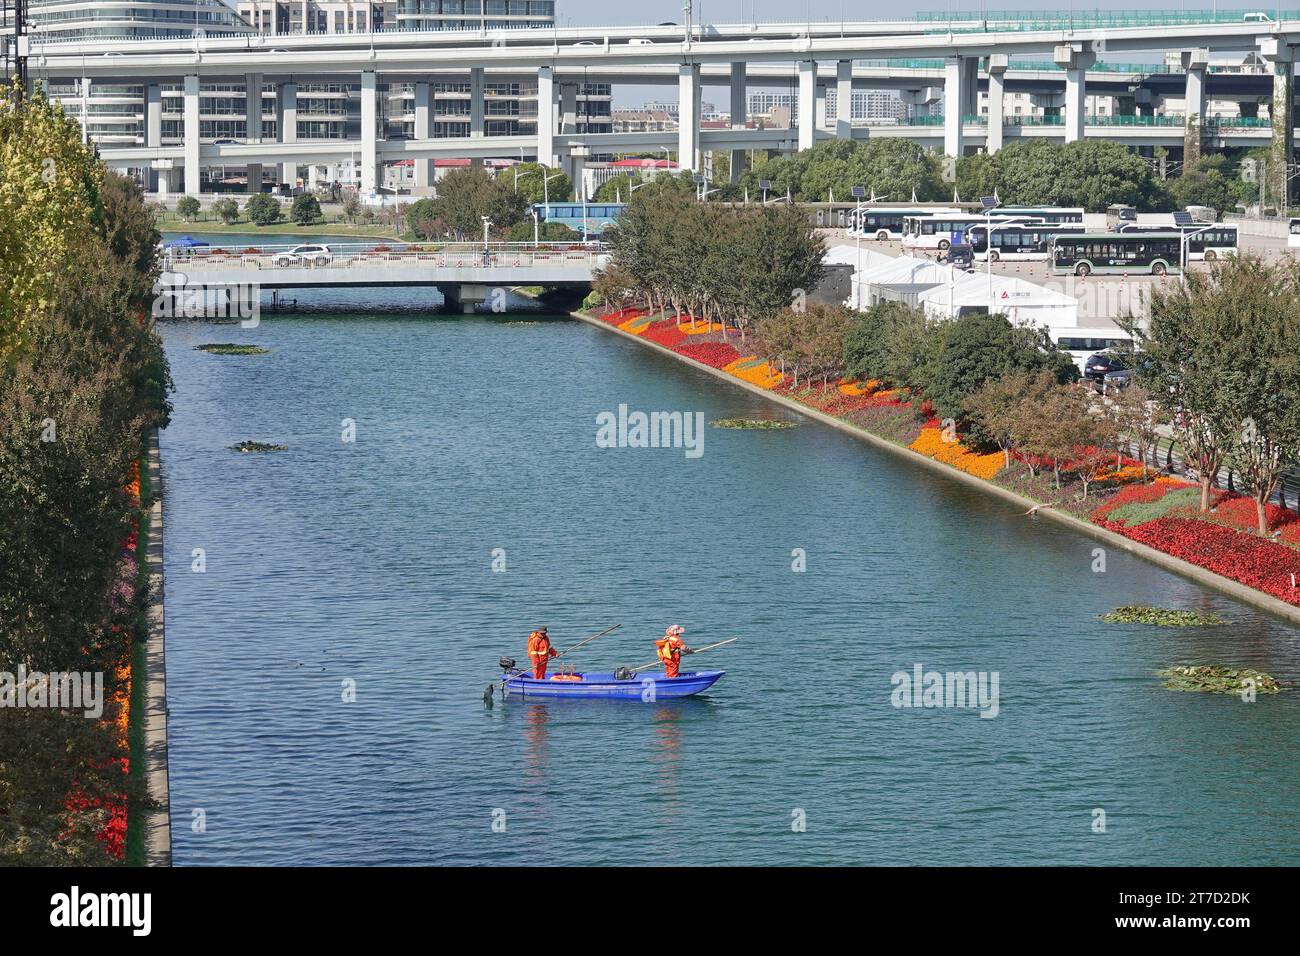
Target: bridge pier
[[954, 101], [1281, 59], [1075, 62], [286, 125], [423, 107], [807, 104], [688, 116], [153, 131], [369, 123], [546, 116], [739, 114], [464, 297], [844, 99], [1195, 63], [191, 130], [997, 79]]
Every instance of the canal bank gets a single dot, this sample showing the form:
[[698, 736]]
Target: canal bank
[[157, 835], [1186, 569]]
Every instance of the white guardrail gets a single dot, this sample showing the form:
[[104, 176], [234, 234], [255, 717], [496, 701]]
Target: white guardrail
[[460, 255]]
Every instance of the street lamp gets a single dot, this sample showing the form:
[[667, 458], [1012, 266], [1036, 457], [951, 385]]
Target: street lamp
[[487, 225], [1183, 249], [858, 193], [536, 227]]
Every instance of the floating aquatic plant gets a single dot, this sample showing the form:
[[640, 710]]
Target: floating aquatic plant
[[231, 348], [1217, 679], [755, 423], [248, 446], [1160, 617]]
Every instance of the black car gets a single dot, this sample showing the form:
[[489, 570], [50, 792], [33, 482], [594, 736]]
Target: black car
[[1100, 364]]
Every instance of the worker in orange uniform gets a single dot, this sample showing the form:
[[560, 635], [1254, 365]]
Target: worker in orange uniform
[[671, 647], [540, 652]]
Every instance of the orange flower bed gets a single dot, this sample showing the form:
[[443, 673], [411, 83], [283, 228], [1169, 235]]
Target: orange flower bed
[[748, 368], [636, 324], [931, 443], [858, 388], [699, 328]]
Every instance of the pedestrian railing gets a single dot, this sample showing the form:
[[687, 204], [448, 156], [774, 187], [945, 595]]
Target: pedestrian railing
[[362, 256]]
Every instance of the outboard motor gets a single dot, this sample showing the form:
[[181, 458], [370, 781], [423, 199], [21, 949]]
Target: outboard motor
[[623, 673], [507, 664]]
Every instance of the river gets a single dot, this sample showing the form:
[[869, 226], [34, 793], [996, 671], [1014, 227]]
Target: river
[[370, 563]]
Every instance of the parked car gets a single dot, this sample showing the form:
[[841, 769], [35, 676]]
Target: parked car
[[1100, 364], [312, 255], [1117, 380], [639, 41]]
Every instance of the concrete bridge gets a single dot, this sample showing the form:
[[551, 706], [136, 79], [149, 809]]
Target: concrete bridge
[[976, 54], [466, 273]]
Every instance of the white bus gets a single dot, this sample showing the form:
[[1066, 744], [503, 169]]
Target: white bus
[[941, 230], [1045, 213], [1018, 242], [1204, 243], [1293, 233], [883, 224]]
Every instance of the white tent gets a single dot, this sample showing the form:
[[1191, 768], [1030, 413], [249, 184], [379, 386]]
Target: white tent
[[1023, 302], [860, 258], [901, 279]]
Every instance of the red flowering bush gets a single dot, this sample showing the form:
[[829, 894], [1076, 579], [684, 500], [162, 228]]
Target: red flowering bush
[[1129, 495]]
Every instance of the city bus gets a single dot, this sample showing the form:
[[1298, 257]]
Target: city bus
[[595, 217], [1157, 253], [1293, 233], [1018, 241], [1203, 242], [1054, 214], [884, 224], [940, 230]]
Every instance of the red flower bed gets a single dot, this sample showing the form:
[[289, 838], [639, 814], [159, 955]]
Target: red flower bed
[[666, 333], [1239, 512], [1248, 559], [717, 354], [1129, 495]]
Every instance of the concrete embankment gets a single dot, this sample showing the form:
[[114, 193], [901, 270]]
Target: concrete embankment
[[1241, 592], [158, 832]]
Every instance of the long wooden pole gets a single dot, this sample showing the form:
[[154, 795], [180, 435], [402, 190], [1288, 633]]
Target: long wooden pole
[[695, 650]]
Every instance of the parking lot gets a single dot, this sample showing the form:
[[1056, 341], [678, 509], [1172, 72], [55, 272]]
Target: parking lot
[[1102, 299]]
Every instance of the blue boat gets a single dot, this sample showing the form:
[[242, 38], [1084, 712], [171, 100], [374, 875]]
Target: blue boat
[[605, 686]]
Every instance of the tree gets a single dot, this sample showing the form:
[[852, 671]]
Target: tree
[[1138, 418], [351, 205], [1000, 411], [466, 195], [895, 168], [262, 209], [889, 342], [615, 189], [528, 179], [305, 209], [1207, 183], [129, 228], [227, 209], [979, 347], [1216, 353], [1089, 172], [188, 208], [546, 232]]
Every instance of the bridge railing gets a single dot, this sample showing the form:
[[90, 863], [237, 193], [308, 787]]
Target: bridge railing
[[350, 255]]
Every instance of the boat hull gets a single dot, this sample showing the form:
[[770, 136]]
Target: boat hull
[[647, 688]]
